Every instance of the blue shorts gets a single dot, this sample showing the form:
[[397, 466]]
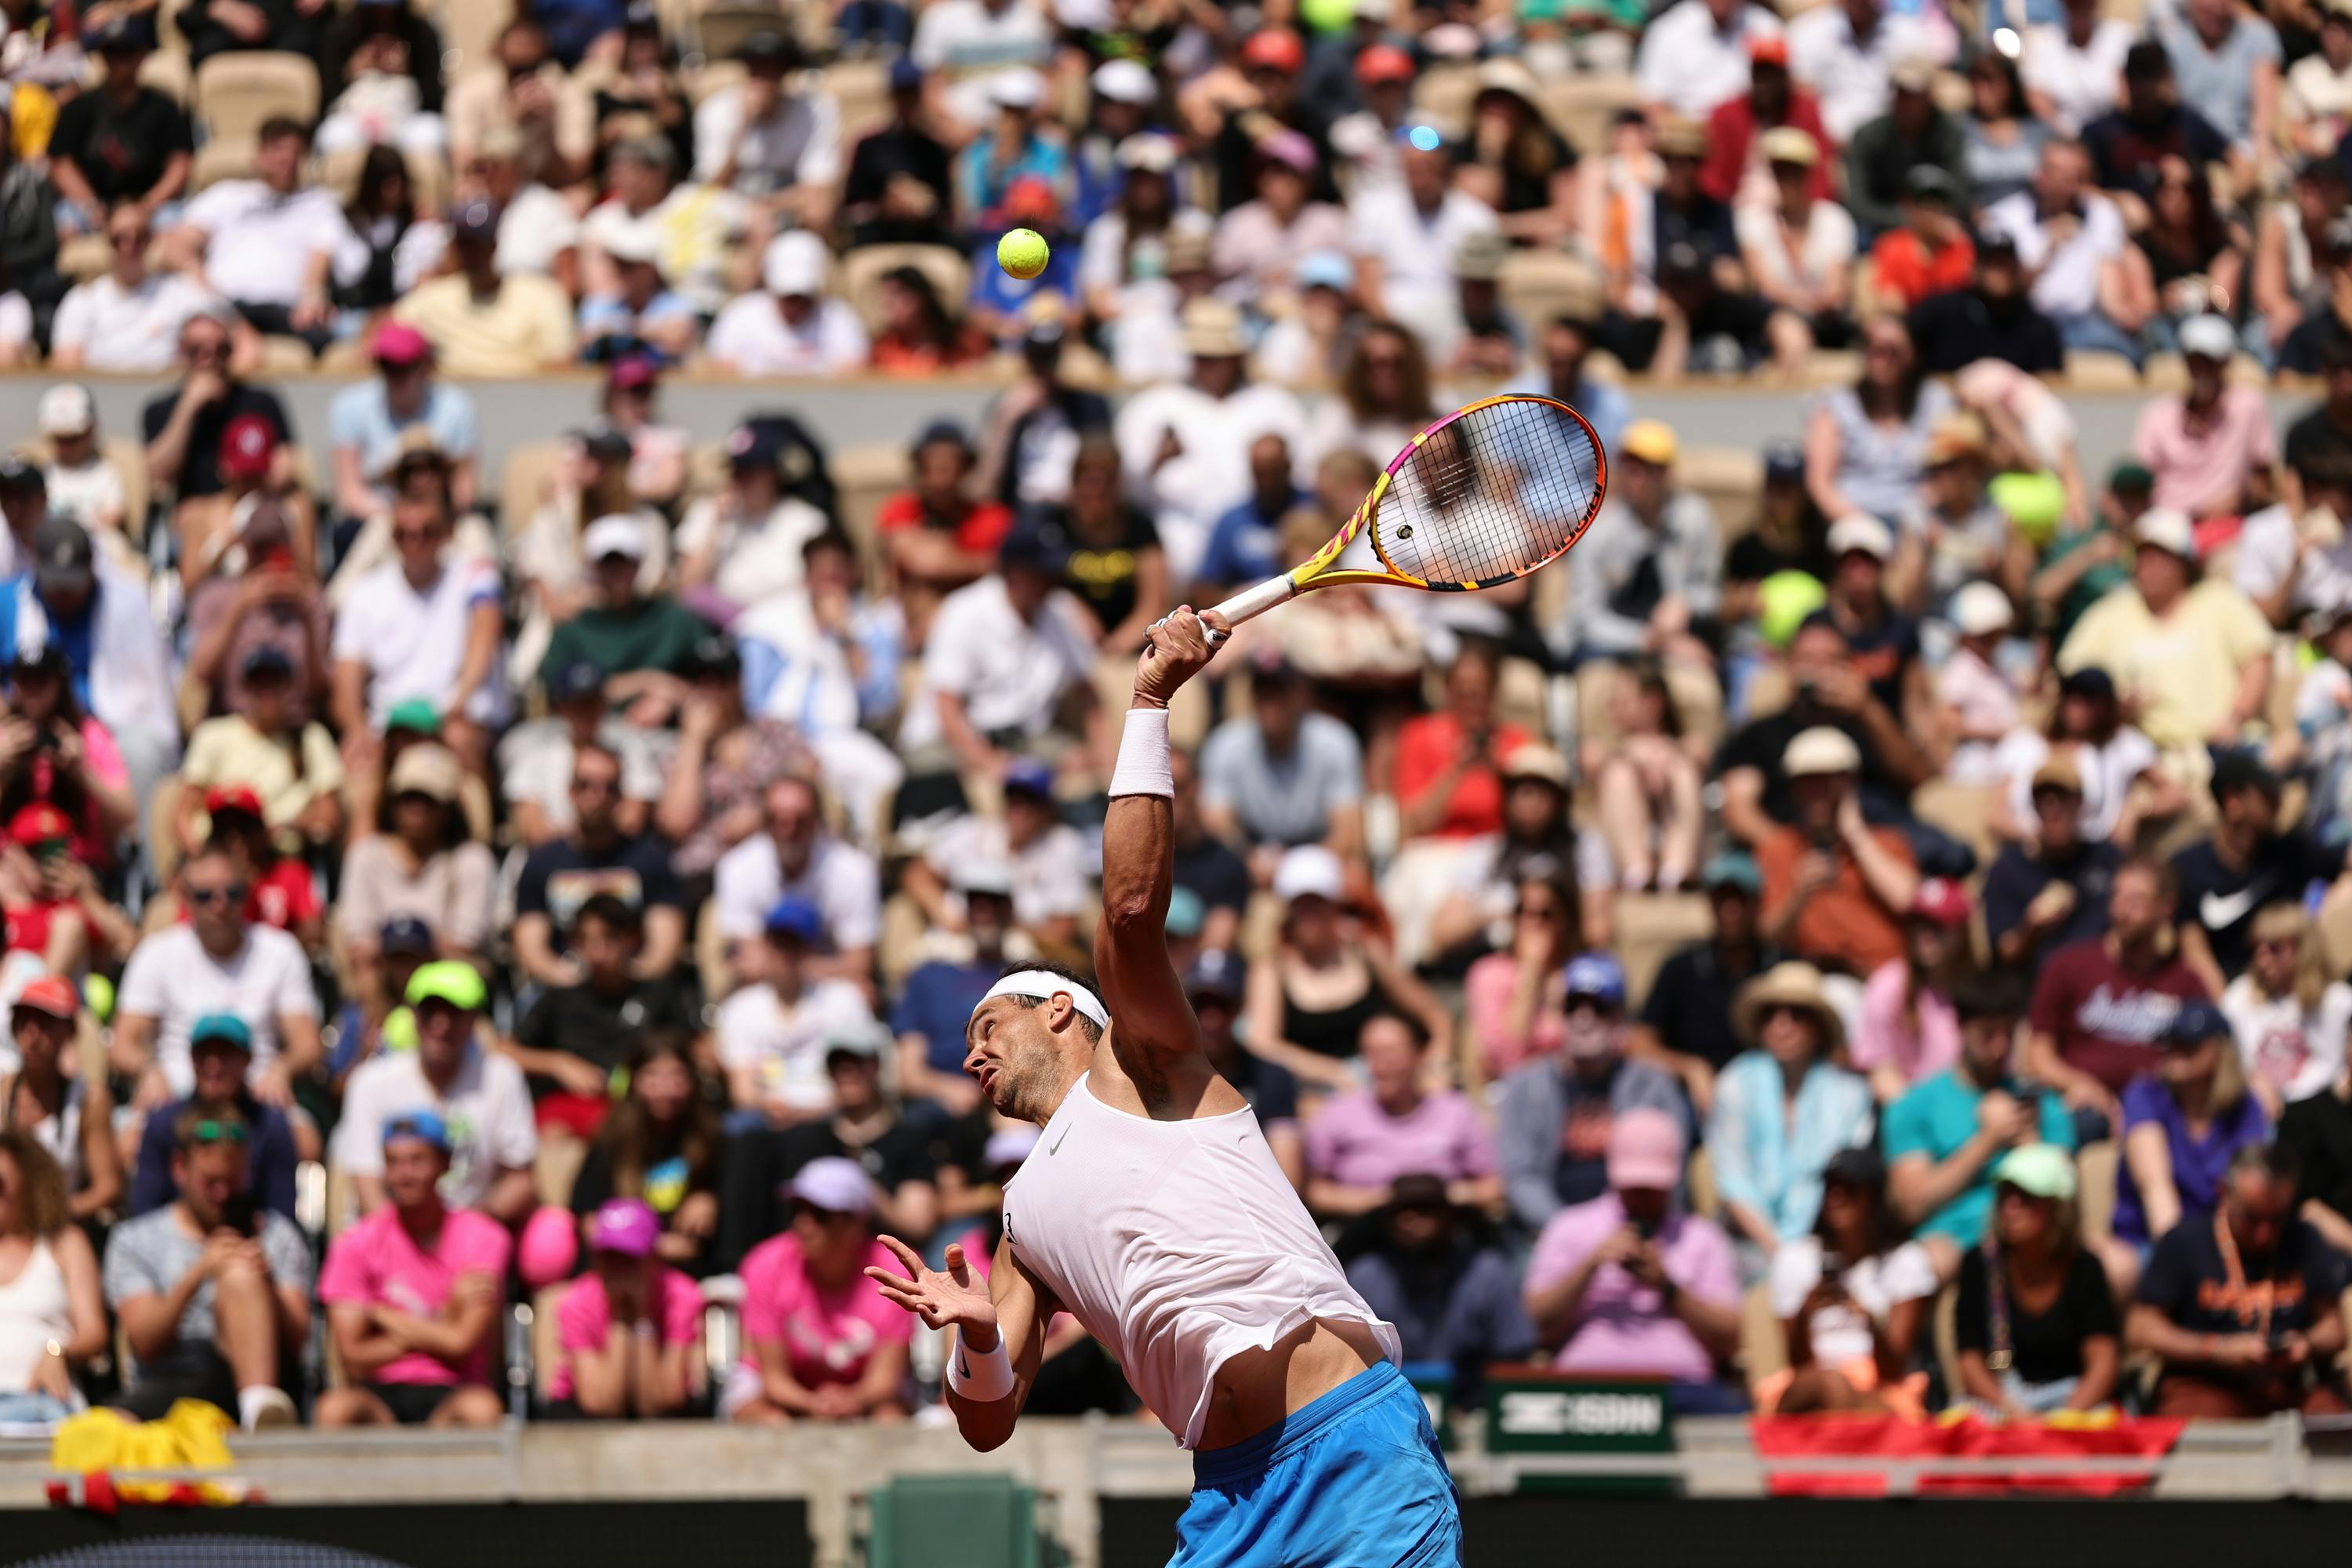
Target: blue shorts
[[1354, 1481]]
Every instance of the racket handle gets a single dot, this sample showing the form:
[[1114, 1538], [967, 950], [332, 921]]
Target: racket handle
[[1253, 602]]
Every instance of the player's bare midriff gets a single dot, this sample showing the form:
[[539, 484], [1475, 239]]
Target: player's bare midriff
[[1257, 1388]]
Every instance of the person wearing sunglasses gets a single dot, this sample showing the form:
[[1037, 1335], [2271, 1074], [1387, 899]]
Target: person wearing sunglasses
[[212, 1294], [821, 1343], [413, 1293], [477, 1093], [216, 960], [220, 1053], [71, 1117]]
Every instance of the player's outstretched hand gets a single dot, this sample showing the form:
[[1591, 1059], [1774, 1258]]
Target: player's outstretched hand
[[1182, 646], [956, 1294]]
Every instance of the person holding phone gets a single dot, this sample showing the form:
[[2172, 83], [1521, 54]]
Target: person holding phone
[[1852, 1298]]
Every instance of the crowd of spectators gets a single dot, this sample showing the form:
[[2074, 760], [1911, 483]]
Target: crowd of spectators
[[1692, 962]]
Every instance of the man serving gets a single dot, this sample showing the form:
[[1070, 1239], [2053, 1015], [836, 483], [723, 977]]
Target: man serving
[[1152, 1212]]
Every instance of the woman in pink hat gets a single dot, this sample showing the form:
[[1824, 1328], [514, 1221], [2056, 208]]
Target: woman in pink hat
[[625, 1331], [820, 1342]]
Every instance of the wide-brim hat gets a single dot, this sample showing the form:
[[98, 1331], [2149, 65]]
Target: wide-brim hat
[[1791, 984]]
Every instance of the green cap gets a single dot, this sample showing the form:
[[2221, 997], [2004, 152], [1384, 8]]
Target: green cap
[[2130, 476], [2039, 1170], [417, 714], [450, 981]]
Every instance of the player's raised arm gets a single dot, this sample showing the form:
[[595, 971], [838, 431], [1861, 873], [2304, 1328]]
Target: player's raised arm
[[999, 1331], [1140, 985]]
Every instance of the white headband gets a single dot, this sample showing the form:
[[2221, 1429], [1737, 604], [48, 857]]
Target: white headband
[[1037, 984]]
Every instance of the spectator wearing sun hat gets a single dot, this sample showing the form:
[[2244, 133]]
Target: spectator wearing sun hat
[[625, 1329], [478, 1094], [1833, 886]]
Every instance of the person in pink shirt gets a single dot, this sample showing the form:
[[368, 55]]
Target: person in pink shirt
[[626, 1329], [2204, 445], [820, 1343], [1907, 1030], [1366, 1138], [1629, 1283], [1980, 704], [412, 1294], [1503, 994]]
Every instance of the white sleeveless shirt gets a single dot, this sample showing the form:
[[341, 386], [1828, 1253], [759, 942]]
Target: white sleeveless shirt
[[34, 1309], [1177, 1244]]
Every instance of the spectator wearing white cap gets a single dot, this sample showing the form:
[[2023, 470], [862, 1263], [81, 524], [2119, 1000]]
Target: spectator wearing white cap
[[965, 45], [2213, 446], [1694, 54], [1882, 643], [2190, 651], [128, 318], [1020, 143], [1981, 702], [1834, 886], [1128, 240], [790, 325], [83, 484], [771, 139], [1126, 94], [643, 643], [1185, 447]]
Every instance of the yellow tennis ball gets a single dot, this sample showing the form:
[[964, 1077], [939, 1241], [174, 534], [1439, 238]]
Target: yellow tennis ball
[[1023, 253]]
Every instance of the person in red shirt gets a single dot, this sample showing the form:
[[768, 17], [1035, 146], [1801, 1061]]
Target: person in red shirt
[[1834, 886], [1772, 99], [1449, 779], [280, 891], [1931, 253], [42, 911], [2102, 1008], [939, 534]]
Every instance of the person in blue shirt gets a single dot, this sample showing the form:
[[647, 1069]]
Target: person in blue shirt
[[938, 999], [1022, 143], [1448, 1286], [1002, 305], [1943, 1139], [1244, 548], [366, 421]]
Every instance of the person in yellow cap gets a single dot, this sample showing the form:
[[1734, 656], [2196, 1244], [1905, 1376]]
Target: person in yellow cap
[[478, 1094], [1652, 569]]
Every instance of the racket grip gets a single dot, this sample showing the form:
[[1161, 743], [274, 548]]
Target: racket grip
[[1253, 602]]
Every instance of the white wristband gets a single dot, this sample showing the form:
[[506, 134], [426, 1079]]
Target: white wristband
[[981, 1376], [1144, 766]]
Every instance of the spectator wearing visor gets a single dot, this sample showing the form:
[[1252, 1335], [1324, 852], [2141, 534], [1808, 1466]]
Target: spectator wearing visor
[[820, 1340], [413, 1292], [213, 1295], [1554, 1121], [70, 1115], [626, 1330], [221, 1057], [478, 1094]]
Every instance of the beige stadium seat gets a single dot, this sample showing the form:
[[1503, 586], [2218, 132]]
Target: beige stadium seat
[[166, 71], [1445, 92], [723, 28], [2096, 1169], [863, 478], [218, 160], [1964, 811], [2165, 373], [862, 91], [862, 271], [285, 356], [1582, 107], [1952, 92], [1539, 286], [235, 92], [700, 84], [1650, 927], [1730, 479], [1832, 367], [1763, 1338], [85, 257], [523, 483], [2097, 370]]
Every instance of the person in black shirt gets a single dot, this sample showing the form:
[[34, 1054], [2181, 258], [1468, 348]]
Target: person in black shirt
[[2242, 1303], [1882, 642], [1789, 535], [2050, 891], [1685, 1023], [225, 27], [1116, 566], [560, 876], [184, 428], [864, 1125], [2315, 1133], [2326, 432], [661, 1145], [573, 1036], [1990, 319], [2243, 868], [2129, 144], [2035, 1320], [897, 191], [122, 141]]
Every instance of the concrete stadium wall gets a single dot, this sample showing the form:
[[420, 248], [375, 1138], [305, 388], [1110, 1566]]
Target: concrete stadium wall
[[863, 411]]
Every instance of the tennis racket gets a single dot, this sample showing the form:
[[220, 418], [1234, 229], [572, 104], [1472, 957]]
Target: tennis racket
[[1485, 496]]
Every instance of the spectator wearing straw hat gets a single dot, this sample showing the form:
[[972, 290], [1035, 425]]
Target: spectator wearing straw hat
[[1798, 245], [1833, 885], [1782, 1108], [1630, 1284], [2049, 890]]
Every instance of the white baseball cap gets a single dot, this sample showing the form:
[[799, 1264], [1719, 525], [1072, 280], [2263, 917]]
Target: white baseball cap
[[1980, 607], [1309, 872], [1859, 530], [2208, 337], [617, 534], [1017, 88], [67, 410], [796, 263], [632, 242], [1124, 81], [2168, 529], [1820, 750]]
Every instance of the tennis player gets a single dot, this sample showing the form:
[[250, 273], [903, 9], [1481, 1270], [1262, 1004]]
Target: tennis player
[[1152, 1211]]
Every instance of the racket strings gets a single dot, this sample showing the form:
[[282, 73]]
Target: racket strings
[[1500, 489]]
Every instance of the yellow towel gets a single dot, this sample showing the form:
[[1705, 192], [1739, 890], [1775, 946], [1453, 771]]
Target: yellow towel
[[190, 1436]]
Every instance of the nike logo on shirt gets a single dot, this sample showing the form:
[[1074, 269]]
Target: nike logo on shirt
[[1059, 1141], [2217, 913]]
